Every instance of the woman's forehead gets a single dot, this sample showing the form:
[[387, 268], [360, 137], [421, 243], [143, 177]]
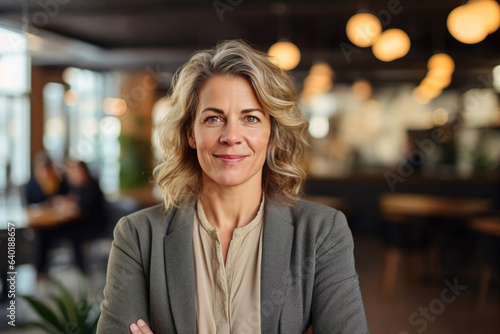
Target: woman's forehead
[[219, 92]]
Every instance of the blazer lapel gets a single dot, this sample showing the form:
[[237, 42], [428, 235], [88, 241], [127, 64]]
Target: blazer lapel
[[179, 268], [276, 248]]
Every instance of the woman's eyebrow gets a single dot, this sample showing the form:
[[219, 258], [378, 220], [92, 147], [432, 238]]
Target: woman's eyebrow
[[244, 111], [219, 111]]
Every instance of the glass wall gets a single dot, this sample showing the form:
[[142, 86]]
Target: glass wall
[[14, 108], [81, 122], [14, 123]]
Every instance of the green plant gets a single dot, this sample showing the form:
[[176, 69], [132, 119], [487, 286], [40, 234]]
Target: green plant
[[135, 162], [70, 315]]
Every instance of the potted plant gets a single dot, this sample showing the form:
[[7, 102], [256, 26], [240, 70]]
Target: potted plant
[[69, 316]]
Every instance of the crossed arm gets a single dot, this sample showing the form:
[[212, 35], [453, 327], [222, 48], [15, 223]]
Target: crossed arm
[[140, 327]]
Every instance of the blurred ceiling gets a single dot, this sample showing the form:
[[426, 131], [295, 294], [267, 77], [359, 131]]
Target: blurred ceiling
[[163, 33]]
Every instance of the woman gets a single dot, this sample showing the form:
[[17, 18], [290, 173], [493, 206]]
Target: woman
[[85, 194], [45, 188], [45, 182], [232, 249], [88, 197]]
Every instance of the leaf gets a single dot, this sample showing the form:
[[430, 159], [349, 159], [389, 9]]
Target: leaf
[[93, 328], [44, 312], [62, 307], [67, 301], [92, 319], [81, 316], [82, 312], [83, 293], [83, 308]]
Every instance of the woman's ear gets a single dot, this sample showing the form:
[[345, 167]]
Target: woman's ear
[[190, 138]]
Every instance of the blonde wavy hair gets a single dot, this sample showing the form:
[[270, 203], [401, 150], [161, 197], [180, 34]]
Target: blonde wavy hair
[[178, 172]]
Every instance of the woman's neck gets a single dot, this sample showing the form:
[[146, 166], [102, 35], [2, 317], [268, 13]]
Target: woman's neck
[[228, 208]]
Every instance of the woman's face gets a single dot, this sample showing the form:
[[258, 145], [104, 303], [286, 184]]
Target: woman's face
[[76, 174], [230, 132]]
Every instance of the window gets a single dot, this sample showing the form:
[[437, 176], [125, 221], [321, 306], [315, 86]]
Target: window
[[14, 122]]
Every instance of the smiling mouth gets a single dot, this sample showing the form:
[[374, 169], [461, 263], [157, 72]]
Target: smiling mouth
[[230, 159]]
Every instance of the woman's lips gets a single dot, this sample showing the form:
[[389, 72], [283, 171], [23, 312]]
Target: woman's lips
[[230, 159]]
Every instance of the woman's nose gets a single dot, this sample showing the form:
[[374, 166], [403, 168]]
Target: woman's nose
[[231, 133]]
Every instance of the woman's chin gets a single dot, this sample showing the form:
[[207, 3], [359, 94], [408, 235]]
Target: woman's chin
[[227, 182], [230, 179]]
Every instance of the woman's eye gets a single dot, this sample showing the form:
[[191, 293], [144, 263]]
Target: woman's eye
[[252, 119], [212, 119]]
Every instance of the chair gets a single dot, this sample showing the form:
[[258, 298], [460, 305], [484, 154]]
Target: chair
[[488, 228], [404, 235], [410, 221]]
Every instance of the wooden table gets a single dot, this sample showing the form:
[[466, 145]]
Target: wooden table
[[487, 225], [400, 208], [432, 206], [47, 217]]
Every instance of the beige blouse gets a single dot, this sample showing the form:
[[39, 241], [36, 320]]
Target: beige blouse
[[227, 297]]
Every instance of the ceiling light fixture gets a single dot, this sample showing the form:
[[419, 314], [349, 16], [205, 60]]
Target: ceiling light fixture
[[472, 22], [392, 44], [285, 54], [363, 29]]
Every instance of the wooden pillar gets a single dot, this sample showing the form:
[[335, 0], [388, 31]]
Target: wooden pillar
[[40, 76], [36, 99]]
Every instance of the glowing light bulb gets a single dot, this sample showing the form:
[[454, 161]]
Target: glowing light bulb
[[363, 29], [285, 54], [392, 44], [466, 25]]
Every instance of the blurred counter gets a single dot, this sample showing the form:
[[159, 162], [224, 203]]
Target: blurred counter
[[361, 191]]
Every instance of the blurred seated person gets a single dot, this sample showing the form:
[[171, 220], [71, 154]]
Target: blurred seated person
[[45, 182], [85, 193], [85, 190]]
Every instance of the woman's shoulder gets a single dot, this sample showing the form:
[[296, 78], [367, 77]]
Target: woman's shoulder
[[319, 218], [306, 208], [154, 212], [147, 219], [157, 219], [328, 225]]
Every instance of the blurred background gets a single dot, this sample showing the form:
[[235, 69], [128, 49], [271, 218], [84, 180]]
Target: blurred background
[[402, 98]]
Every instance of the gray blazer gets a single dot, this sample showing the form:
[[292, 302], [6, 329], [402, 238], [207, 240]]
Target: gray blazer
[[307, 273]]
